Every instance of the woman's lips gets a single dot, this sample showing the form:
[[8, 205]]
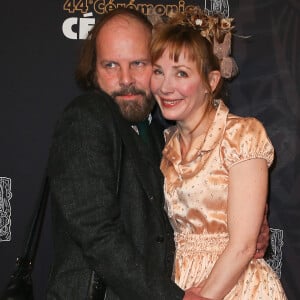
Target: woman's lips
[[169, 102]]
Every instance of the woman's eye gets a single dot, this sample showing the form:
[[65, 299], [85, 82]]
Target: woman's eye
[[182, 74], [157, 72]]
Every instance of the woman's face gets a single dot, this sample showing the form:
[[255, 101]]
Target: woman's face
[[178, 88]]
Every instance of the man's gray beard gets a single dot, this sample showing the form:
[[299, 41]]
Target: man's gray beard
[[136, 111]]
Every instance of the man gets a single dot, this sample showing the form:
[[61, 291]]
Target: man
[[107, 196]]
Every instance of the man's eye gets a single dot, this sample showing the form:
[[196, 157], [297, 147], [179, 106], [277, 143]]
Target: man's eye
[[110, 65], [182, 74], [137, 63]]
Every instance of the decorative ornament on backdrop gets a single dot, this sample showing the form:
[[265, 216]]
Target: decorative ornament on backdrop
[[274, 253], [5, 209]]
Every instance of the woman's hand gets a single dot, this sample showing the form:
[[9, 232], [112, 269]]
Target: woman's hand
[[197, 292], [193, 293]]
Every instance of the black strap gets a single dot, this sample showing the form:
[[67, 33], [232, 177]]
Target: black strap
[[36, 224], [20, 283]]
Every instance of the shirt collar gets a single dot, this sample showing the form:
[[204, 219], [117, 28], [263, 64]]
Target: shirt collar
[[212, 138]]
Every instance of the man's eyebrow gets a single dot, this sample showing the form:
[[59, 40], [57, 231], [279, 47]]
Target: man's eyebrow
[[142, 59], [107, 61]]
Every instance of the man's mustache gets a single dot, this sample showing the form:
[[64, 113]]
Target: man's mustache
[[128, 90]]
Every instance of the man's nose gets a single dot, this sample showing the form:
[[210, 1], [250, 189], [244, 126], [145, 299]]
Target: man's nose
[[126, 77]]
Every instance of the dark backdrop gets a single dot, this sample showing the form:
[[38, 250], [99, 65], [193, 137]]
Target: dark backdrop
[[37, 59]]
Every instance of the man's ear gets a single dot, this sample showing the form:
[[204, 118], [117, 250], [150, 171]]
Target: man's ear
[[214, 78]]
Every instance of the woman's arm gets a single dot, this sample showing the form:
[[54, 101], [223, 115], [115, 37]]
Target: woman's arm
[[247, 193], [263, 237]]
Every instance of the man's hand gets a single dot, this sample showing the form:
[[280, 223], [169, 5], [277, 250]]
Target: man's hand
[[193, 294], [263, 238]]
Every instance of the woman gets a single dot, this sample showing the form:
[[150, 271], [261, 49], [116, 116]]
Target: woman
[[215, 163]]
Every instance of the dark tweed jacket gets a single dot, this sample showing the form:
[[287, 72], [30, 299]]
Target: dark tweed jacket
[[107, 206]]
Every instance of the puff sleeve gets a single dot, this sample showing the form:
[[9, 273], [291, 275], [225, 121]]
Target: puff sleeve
[[245, 138]]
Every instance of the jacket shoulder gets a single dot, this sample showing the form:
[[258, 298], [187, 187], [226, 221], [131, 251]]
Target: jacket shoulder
[[90, 102]]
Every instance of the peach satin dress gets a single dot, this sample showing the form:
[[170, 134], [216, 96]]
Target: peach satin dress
[[196, 201]]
